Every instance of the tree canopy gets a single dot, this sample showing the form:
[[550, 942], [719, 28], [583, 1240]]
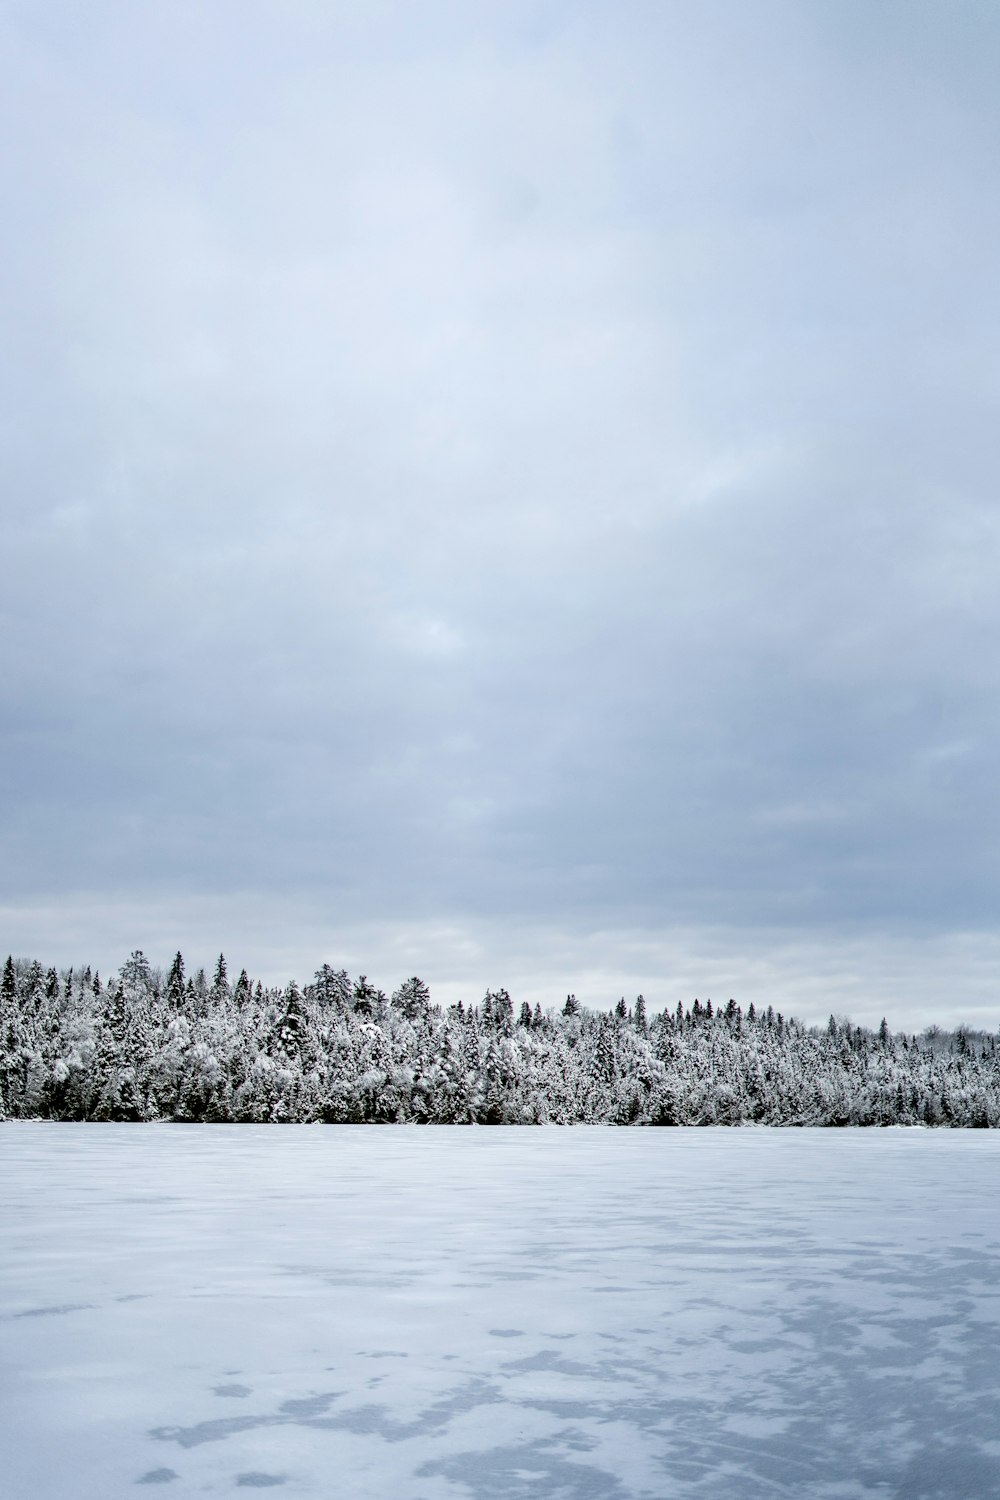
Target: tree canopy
[[149, 1045]]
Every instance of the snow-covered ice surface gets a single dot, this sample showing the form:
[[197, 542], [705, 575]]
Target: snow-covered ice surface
[[446, 1313]]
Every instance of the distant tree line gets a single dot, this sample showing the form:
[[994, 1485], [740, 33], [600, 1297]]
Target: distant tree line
[[150, 1045]]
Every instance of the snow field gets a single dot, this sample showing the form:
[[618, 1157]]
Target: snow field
[[445, 1313]]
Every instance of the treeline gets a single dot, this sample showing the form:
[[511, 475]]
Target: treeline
[[149, 1045]]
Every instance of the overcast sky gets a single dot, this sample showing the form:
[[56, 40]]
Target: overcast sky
[[507, 492]]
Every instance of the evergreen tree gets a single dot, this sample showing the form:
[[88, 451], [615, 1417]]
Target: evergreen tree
[[413, 998], [175, 983], [365, 996], [332, 987], [220, 983], [292, 1026], [499, 1008], [136, 974], [116, 1010], [606, 1056]]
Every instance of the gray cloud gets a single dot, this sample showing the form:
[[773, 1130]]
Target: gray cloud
[[530, 465]]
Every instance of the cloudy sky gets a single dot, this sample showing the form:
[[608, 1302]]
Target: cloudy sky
[[506, 492]]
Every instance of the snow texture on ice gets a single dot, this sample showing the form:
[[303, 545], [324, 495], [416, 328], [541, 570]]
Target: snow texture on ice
[[469, 1314]]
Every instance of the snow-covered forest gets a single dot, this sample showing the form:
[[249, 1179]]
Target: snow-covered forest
[[147, 1045]]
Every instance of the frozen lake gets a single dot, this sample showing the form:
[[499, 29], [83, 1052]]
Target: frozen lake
[[395, 1313]]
